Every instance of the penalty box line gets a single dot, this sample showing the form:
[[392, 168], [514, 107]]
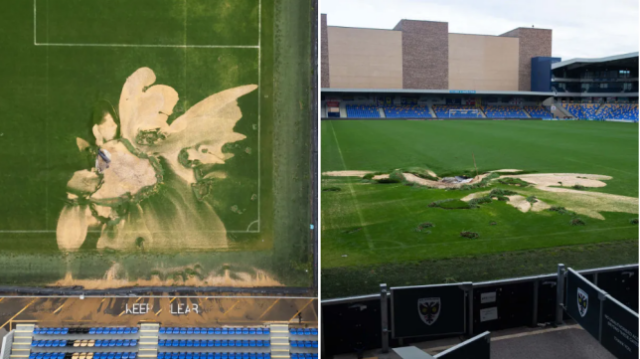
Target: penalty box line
[[36, 43]]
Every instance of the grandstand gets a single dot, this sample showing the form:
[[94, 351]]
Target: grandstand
[[407, 112], [538, 112], [505, 112], [157, 341], [514, 76]]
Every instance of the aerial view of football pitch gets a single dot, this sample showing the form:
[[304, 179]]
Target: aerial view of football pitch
[[156, 143], [528, 195]]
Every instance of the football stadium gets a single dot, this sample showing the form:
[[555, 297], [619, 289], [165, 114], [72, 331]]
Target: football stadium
[[157, 179], [461, 170]]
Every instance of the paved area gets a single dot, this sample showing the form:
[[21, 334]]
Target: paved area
[[567, 342]]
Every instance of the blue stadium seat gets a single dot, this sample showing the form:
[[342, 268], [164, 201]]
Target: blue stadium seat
[[499, 111], [362, 111], [463, 111], [407, 111]]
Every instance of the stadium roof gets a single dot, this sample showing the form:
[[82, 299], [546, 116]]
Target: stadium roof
[[437, 92], [581, 62]]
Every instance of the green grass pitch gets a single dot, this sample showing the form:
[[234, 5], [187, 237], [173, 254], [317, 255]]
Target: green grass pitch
[[369, 231], [61, 58]]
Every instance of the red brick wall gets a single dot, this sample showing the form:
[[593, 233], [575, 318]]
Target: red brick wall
[[324, 49], [425, 54], [533, 42]]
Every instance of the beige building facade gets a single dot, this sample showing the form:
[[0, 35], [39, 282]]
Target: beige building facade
[[365, 58], [424, 55], [487, 63]]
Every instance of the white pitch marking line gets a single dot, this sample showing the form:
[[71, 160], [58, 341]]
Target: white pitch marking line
[[153, 45], [259, 108]]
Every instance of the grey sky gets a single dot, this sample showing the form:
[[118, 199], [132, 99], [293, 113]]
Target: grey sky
[[581, 28]]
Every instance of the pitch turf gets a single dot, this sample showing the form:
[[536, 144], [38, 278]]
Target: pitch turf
[[61, 58], [368, 227]]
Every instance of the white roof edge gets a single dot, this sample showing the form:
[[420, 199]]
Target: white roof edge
[[594, 60], [442, 92]]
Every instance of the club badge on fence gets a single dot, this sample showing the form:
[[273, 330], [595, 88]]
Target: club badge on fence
[[429, 310], [583, 302]]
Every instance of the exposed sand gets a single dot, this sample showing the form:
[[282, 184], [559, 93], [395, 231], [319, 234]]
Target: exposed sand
[[540, 206], [519, 202], [542, 180], [441, 185], [362, 173], [144, 107], [73, 225], [82, 144], [127, 173], [506, 171], [84, 182], [115, 277], [346, 173], [471, 196], [206, 125], [104, 211], [105, 131]]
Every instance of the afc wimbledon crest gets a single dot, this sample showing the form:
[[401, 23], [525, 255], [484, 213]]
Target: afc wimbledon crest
[[429, 310], [583, 302]]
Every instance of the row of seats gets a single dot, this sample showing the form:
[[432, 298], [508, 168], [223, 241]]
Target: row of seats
[[538, 112], [582, 111], [105, 355], [304, 355], [98, 330], [407, 112], [444, 111], [304, 343], [618, 112], [223, 331], [362, 111], [176, 355], [505, 112], [305, 331], [213, 343], [85, 343]]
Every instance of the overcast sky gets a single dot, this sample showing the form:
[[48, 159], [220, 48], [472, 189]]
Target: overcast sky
[[581, 28]]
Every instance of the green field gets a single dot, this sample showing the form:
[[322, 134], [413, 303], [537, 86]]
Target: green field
[[369, 229], [228, 201]]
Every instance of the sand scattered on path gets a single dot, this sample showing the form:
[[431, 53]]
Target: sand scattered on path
[[346, 173], [116, 278]]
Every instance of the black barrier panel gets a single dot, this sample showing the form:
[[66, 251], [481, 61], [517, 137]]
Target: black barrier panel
[[619, 329], [502, 306], [622, 285], [428, 310], [478, 347], [582, 302], [351, 327], [547, 300]]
